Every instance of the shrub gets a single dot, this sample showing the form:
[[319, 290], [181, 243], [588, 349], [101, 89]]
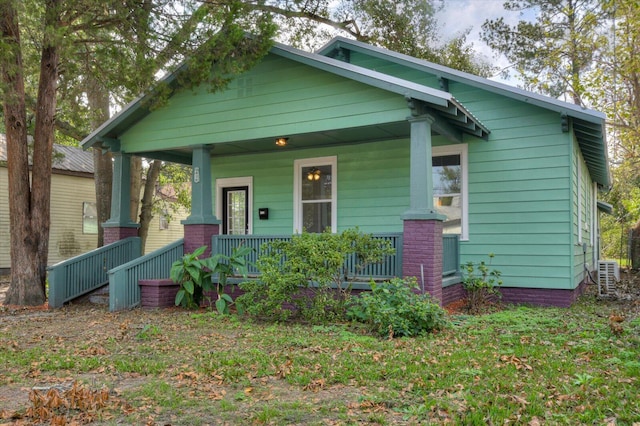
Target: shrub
[[195, 277], [297, 276], [394, 309], [481, 284]]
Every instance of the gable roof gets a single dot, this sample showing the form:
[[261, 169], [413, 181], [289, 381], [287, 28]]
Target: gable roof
[[588, 125], [441, 102], [69, 159]]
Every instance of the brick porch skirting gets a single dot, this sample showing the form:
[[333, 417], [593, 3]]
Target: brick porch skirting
[[158, 293], [516, 296]]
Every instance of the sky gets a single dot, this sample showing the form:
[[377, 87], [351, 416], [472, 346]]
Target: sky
[[460, 15]]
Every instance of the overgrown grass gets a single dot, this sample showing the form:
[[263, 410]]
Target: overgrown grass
[[519, 365]]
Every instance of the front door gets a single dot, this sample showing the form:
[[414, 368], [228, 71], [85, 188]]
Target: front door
[[235, 211]]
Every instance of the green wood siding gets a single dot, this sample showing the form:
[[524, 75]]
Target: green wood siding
[[520, 197], [373, 184], [519, 201], [522, 182], [277, 97], [581, 213]]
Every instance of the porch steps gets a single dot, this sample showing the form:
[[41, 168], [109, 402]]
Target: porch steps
[[100, 296]]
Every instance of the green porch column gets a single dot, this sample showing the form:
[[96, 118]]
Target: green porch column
[[422, 225], [201, 225], [420, 171], [120, 225]]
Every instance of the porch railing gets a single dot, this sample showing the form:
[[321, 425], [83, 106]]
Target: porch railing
[[82, 274], [390, 267], [450, 254], [124, 291]]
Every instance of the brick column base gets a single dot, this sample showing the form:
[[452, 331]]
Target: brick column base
[[422, 254], [113, 234], [198, 235]]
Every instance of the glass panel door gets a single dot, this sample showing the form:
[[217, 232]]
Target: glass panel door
[[235, 215]]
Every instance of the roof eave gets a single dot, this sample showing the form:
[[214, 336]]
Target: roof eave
[[470, 79]]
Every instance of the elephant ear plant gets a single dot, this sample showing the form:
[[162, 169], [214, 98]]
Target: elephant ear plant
[[196, 277]]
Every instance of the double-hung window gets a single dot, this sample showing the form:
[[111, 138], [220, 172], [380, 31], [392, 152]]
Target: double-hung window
[[89, 218], [449, 174], [315, 192]]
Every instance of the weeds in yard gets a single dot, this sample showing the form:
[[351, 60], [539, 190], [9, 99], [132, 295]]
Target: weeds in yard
[[481, 284], [520, 365]]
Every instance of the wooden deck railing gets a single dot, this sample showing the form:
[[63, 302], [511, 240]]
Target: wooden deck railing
[[390, 267], [82, 274], [450, 254], [124, 291], [120, 265]]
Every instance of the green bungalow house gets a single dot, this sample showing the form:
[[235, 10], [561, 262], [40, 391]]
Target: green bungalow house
[[453, 165]]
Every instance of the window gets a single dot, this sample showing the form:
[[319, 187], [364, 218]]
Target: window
[[163, 220], [449, 174], [315, 186], [89, 218]]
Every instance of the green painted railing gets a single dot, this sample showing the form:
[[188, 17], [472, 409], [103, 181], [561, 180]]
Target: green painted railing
[[450, 254], [82, 274], [390, 267], [124, 291]]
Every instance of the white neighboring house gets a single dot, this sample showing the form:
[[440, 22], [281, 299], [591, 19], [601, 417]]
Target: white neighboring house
[[74, 223]]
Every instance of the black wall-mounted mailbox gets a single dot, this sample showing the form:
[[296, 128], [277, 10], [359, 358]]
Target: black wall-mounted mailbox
[[263, 213]]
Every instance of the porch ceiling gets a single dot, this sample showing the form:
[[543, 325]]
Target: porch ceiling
[[354, 135]]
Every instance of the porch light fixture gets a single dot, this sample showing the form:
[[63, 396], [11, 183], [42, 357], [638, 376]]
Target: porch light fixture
[[281, 141], [314, 174]]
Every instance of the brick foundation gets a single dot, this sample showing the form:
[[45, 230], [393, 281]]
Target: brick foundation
[[542, 296], [159, 293], [422, 253], [517, 296], [113, 234], [453, 293], [198, 235]]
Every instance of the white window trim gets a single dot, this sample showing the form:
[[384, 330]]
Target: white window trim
[[297, 189], [231, 182], [462, 150]]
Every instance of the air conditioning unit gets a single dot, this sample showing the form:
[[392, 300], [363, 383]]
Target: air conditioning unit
[[608, 276]]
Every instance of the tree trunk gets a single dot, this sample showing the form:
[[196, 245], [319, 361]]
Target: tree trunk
[[98, 100], [146, 212], [634, 246], [103, 176], [29, 213], [136, 186]]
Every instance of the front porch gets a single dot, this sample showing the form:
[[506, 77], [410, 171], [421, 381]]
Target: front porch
[[83, 274]]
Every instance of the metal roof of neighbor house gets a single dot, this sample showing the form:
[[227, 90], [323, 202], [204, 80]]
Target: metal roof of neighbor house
[[69, 158], [588, 124]]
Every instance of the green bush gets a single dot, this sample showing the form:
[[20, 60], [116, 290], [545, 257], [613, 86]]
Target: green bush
[[195, 277], [307, 276], [394, 309], [481, 284]]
